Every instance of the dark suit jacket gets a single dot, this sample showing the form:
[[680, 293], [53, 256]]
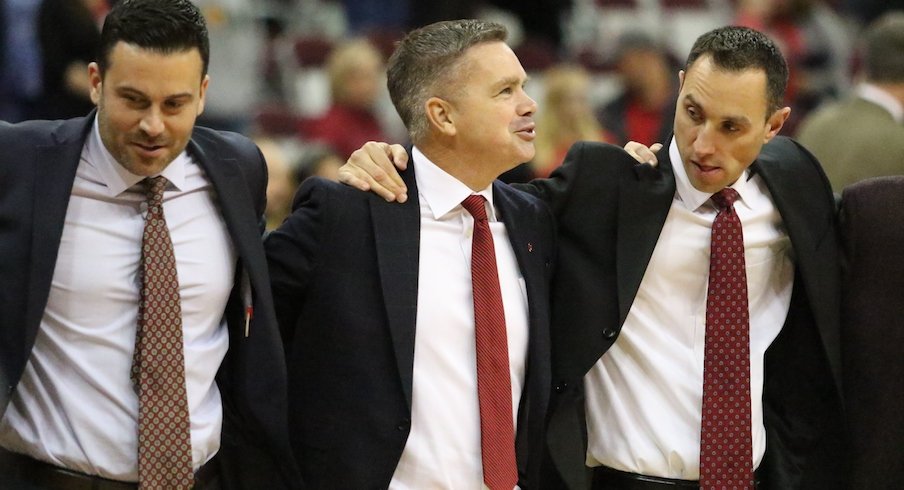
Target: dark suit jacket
[[609, 214], [872, 321], [37, 170], [344, 269]]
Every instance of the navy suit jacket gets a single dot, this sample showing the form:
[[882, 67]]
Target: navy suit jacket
[[37, 171], [344, 269], [609, 213]]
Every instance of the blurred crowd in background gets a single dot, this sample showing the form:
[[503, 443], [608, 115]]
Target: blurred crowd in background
[[305, 78]]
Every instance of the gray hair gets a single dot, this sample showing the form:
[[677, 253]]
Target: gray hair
[[884, 54], [427, 58]]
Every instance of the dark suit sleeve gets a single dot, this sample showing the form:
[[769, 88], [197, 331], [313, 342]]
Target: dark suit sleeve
[[292, 252], [579, 174], [872, 331]]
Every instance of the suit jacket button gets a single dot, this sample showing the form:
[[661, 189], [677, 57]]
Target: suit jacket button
[[609, 333], [561, 387], [404, 425]]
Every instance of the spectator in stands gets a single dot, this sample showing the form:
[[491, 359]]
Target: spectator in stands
[[566, 117], [863, 136], [69, 36], [645, 109], [816, 44], [356, 74]]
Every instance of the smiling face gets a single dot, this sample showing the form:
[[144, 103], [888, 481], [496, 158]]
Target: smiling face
[[722, 120], [490, 115], [147, 103]]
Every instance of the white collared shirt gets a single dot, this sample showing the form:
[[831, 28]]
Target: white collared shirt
[[883, 99], [443, 448], [644, 396], [75, 405]]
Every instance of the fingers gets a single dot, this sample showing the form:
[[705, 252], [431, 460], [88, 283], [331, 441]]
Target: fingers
[[642, 153], [370, 168]]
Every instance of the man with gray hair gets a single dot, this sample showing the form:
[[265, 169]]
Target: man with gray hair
[[863, 136], [417, 335]]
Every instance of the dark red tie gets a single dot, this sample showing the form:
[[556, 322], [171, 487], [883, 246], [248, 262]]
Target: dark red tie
[[726, 456], [494, 386], [158, 365]]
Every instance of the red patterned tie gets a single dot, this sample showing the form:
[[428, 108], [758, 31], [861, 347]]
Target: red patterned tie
[[726, 456], [158, 365], [494, 385]]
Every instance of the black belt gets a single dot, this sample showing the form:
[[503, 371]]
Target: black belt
[[605, 478], [26, 472]]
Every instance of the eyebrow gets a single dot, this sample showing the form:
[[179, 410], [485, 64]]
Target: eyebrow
[[505, 82], [132, 91], [739, 120]]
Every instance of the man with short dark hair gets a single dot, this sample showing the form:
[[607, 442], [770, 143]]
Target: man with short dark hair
[[138, 334], [418, 334]]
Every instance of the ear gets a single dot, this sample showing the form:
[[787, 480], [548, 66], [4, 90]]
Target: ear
[[775, 122], [203, 93], [95, 80], [680, 80], [439, 116]]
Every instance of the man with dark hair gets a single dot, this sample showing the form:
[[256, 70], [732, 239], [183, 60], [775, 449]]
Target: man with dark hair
[[711, 285], [863, 135], [417, 335], [138, 334]]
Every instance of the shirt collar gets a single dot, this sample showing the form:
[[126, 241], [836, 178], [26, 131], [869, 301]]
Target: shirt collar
[[115, 177], [441, 191], [692, 197], [883, 99]]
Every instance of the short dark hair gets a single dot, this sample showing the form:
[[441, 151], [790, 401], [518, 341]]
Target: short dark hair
[[165, 26], [427, 58], [735, 48], [883, 58]]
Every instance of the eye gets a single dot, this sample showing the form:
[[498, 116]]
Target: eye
[[506, 91], [693, 113], [730, 127]]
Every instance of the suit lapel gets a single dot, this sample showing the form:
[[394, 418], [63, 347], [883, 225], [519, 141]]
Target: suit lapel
[[644, 200], [53, 176], [237, 208], [520, 239], [397, 236]]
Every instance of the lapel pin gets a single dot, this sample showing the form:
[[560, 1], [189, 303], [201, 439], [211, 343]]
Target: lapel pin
[[530, 247]]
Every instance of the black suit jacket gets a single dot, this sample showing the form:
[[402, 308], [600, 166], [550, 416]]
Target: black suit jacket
[[344, 269], [872, 320], [37, 171], [610, 212]]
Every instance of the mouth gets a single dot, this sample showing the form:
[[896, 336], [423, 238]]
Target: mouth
[[149, 150], [705, 169], [527, 132]]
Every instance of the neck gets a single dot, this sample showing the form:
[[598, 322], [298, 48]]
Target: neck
[[469, 169]]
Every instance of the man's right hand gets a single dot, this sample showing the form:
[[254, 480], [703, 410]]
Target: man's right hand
[[373, 168]]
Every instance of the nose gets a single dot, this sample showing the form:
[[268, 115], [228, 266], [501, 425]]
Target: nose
[[152, 123], [528, 106], [704, 142]]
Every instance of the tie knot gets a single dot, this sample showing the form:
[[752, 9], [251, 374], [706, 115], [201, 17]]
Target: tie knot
[[154, 186], [474, 205], [725, 198]]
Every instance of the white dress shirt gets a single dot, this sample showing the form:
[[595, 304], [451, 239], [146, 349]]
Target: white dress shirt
[[443, 448], [883, 99], [75, 405], [644, 396]]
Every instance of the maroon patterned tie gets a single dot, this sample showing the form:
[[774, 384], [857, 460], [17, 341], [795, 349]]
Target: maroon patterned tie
[[494, 385], [158, 365], [726, 456]]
